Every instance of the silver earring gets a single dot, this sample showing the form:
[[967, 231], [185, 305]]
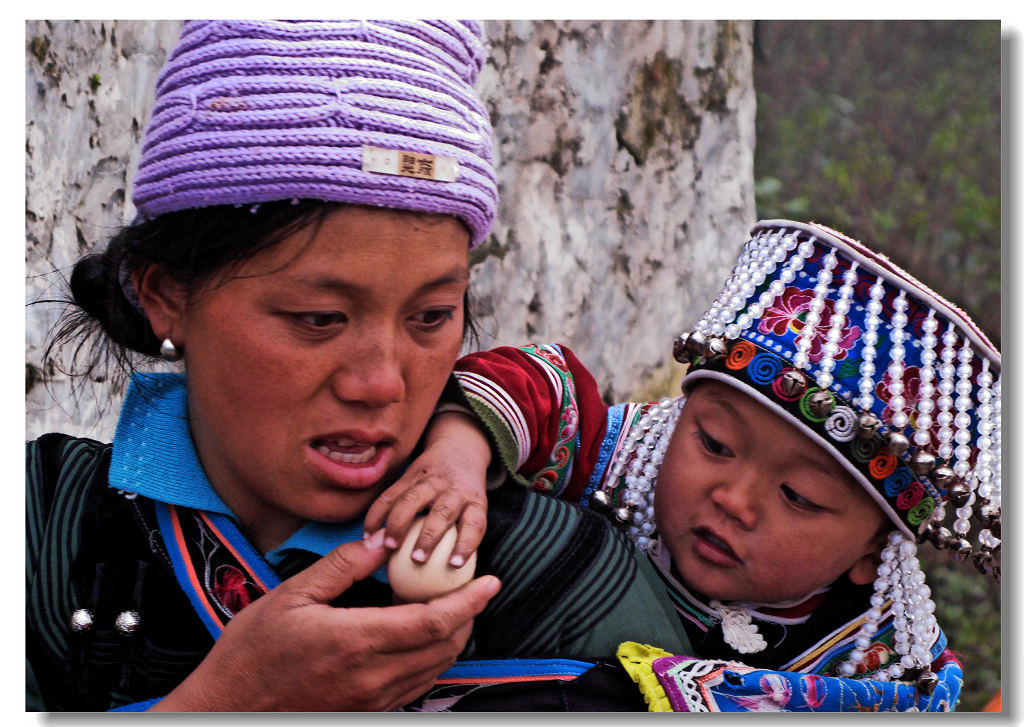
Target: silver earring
[[169, 351]]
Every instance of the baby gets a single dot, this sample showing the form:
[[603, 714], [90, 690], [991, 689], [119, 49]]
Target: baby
[[832, 407]]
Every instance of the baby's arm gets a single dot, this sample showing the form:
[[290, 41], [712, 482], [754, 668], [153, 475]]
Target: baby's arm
[[449, 477], [546, 420], [544, 412]]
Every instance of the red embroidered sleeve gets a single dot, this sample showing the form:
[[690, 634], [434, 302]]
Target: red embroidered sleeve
[[543, 409]]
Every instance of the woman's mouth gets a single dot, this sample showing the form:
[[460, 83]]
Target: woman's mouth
[[346, 450], [712, 548], [350, 463]]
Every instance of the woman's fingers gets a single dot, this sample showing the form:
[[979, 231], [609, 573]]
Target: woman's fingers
[[289, 650], [334, 573], [411, 626]]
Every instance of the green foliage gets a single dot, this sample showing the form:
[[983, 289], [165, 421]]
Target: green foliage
[[967, 607], [889, 131]]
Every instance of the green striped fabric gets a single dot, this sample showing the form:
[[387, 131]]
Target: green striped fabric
[[572, 585], [52, 529]]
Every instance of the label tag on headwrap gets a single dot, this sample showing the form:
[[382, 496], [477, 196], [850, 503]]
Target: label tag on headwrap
[[410, 164]]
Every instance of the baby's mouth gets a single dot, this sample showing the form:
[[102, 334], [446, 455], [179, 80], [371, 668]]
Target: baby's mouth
[[345, 450], [716, 542]]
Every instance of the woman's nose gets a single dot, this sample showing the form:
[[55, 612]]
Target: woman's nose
[[371, 373], [738, 498]]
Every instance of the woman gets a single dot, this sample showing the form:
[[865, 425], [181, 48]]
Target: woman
[[308, 193], [317, 334]]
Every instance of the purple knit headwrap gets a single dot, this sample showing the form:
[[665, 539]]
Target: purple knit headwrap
[[378, 113]]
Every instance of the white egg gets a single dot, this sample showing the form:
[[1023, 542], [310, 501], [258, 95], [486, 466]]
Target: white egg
[[417, 582]]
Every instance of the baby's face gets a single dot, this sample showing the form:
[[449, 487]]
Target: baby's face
[[753, 510]]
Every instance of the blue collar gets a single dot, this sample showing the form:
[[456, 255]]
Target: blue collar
[[154, 456]]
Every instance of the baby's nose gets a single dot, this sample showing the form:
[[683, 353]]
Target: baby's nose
[[739, 499]]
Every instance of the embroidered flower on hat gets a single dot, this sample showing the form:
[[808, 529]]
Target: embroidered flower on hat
[[789, 312], [911, 391], [912, 384]]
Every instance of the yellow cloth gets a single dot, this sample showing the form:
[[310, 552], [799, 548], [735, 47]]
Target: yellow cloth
[[636, 659]]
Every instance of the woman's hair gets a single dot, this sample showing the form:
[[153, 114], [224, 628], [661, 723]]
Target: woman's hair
[[104, 330]]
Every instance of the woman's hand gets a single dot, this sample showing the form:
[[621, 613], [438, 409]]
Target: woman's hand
[[449, 477], [289, 650]]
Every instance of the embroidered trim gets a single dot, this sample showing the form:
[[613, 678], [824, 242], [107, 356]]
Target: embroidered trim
[[609, 445], [555, 474], [491, 396], [216, 568]]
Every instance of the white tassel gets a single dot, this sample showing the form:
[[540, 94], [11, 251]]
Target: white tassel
[[738, 631]]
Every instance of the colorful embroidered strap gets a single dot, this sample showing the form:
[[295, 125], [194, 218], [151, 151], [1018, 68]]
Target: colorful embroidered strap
[[495, 671], [216, 567], [636, 660], [475, 678], [686, 684]]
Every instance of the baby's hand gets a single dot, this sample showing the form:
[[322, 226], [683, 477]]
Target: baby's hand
[[450, 478]]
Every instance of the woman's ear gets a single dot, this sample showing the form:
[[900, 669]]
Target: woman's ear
[[865, 570], [163, 298]]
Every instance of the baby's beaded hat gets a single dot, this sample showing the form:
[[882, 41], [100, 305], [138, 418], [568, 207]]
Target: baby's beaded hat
[[896, 383], [379, 113]]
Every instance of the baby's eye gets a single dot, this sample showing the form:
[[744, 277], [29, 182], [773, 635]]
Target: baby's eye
[[713, 446], [433, 318], [321, 320], [799, 500]]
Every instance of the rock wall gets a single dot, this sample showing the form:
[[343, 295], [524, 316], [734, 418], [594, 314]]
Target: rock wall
[[625, 165], [88, 91], [625, 157]]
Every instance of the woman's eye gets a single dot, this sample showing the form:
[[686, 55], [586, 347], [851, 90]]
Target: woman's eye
[[713, 446], [799, 500], [434, 318], [321, 320]]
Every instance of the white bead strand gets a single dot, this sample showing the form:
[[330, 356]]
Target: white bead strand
[[947, 384], [788, 273], [866, 385], [644, 450], [872, 617], [896, 356], [835, 331], [742, 286], [803, 344], [983, 462], [984, 473], [770, 257], [962, 437], [705, 325], [890, 574], [796, 262], [912, 607], [925, 404], [997, 449], [661, 434]]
